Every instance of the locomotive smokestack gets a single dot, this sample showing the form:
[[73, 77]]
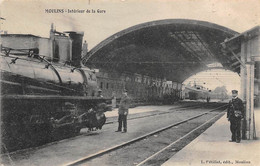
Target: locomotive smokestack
[[76, 38]]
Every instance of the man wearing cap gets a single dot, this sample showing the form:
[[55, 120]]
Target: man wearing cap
[[99, 93], [235, 113], [123, 112]]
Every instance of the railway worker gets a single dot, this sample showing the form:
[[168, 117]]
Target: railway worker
[[235, 113], [68, 107], [208, 99], [99, 93], [123, 112]]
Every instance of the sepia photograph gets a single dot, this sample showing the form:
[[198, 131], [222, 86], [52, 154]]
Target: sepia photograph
[[129, 82]]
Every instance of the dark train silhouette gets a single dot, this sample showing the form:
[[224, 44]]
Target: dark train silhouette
[[45, 93], [196, 92], [141, 88]]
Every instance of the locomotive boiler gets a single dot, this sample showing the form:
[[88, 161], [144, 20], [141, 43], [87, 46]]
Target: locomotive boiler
[[45, 93]]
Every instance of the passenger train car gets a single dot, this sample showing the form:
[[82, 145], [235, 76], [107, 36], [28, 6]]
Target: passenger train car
[[141, 88]]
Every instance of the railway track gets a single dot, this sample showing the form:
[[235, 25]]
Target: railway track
[[172, 110], [119, 146], [175, 142], [164, 112]]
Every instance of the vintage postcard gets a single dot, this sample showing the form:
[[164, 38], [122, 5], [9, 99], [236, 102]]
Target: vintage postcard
[[129, 82]]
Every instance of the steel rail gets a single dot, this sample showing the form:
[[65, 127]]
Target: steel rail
[[105, 151], [160, 113], [186, 135], [81, 135]]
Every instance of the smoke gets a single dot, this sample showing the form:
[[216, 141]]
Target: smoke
[[68, 23]]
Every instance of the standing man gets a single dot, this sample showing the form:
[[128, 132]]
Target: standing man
[[99, 93], [123, 112], [235, 113]]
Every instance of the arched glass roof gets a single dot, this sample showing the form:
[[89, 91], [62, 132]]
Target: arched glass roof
[[173, 49]]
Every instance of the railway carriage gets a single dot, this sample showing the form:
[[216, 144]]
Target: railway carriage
[[141, 88]]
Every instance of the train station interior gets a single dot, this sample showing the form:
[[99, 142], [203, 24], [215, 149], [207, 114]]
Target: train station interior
[[177, 49], [130, 83], [149, 61]]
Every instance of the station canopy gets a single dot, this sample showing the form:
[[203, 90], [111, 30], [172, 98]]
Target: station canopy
[[174, 49]]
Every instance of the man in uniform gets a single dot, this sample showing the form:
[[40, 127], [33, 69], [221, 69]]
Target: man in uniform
[[235, 113], [123, 112], [99, 93]]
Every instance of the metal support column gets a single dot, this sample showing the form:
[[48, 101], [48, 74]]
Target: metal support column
[[250, 79], [252, 92], [243, 78], [248, 105], [250, 100]]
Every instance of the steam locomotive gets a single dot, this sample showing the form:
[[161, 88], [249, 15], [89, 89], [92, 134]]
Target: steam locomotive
[[196, 93], [45, 93]]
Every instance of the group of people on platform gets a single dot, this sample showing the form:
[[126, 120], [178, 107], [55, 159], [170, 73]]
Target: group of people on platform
[[235, 113]]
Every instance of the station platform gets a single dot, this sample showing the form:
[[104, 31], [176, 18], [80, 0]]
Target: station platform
[[143, 109], [213, 148]]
